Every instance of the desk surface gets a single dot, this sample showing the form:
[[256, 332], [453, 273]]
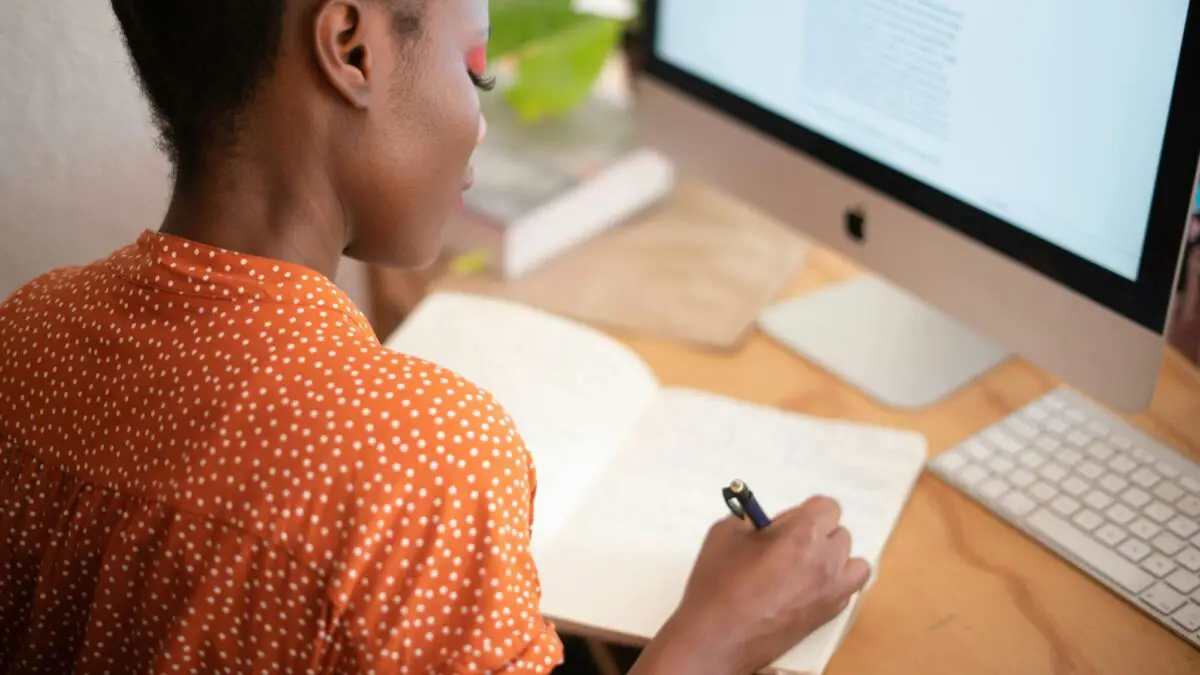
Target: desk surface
[[961, 592]]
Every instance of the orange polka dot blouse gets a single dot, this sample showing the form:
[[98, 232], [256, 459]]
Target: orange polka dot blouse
[[208, 463]]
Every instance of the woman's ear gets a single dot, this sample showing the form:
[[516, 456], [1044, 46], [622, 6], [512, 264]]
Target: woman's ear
[[342, 51]]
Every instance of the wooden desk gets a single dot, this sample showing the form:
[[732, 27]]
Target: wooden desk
[[960, 592]]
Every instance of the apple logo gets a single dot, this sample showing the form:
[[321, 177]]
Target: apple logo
[[856, 223]]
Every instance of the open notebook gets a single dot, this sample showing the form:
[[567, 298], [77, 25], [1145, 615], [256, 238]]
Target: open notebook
[[630, 473]]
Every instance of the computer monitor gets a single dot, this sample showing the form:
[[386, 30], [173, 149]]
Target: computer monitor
[[1020, 171]]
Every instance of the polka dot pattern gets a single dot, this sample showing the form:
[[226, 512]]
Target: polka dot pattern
[[208, 463]]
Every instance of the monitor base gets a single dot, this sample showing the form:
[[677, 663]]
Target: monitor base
[[889, 344]]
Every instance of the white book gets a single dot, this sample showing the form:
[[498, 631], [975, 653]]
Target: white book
[[604, 434], [543, 189]]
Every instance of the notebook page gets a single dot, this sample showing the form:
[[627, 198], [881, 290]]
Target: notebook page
[[573, 393], [624, 561]]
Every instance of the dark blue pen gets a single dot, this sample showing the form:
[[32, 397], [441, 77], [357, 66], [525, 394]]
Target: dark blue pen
[[742, 503]]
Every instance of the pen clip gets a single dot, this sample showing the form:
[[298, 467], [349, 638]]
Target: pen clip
[[733, 499]]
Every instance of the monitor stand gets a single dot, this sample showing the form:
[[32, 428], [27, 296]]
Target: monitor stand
[[891, 345]]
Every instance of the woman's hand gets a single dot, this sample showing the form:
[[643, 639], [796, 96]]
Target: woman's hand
[[754, 594]]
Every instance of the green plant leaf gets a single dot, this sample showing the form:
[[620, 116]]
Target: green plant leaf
[[518, 24], [559, 71]]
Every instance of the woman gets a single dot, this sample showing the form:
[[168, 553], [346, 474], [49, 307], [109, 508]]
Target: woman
[[210, 463]]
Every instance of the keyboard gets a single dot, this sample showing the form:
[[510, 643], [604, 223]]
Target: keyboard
[[1115, 503]]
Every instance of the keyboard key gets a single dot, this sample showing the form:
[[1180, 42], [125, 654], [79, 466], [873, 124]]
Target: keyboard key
[[1133, 549], [1099, 452], [972, 475], [1144, 529], [1047, 444], [1078, 439], [950, 462], [1164, 598], [1158, 565], [1190, 506], [1031, 459], [1166, 470], [977, 450], [1019, 428], [1017, 503], [1110, 534], [1167, 543], [1097, 500], [1188, 616], [1053, 472], [993, 488], [1088, 520], [1135, 498], [1168, 491], [1065, 506], [1184, 527], [1145, 478], [1159, 512], [1021, 478], [1068, 456], [1120, 514], [1043, 492], [1090, 470], [1183, 581], [1122, 464], [1189, 559], [1190, 484], [1143, 455], [1113, 484], [1003, 441], [1025, 417], [1057, 426], [1075, 417], [1098, 429], [1104, 560], [1036, 413], [1000, 464], [1075, 486], [1120, 442]]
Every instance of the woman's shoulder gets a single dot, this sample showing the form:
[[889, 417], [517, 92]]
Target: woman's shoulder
[[373, 443], [408, 412], [410, 383]]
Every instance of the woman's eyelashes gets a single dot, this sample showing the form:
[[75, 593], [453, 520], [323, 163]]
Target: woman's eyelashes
[[482, 83]]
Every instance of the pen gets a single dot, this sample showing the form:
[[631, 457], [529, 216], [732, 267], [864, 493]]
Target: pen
[[742, 503]]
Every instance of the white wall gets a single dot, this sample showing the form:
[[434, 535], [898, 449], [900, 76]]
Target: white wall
[[80, 174]]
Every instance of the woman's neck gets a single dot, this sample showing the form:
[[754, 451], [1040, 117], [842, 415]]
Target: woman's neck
[[277, 212]]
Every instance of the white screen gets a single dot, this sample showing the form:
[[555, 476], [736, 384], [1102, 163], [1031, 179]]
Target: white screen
[[1049, 114]]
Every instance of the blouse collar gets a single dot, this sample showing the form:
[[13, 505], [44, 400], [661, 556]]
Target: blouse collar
[[183, 266]]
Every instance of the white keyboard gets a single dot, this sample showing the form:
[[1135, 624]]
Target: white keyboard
[[1109, 499]]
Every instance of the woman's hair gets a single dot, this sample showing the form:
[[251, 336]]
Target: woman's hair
[[200, 63]]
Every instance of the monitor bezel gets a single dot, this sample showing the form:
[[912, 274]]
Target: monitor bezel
[[1146, 300]]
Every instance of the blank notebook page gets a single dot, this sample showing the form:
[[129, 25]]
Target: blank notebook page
[[622, 562]]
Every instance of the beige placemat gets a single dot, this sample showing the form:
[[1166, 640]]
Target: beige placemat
[[699, 267]]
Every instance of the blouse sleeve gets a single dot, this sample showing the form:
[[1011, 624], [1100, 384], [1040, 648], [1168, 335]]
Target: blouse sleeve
[[444, 580]]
